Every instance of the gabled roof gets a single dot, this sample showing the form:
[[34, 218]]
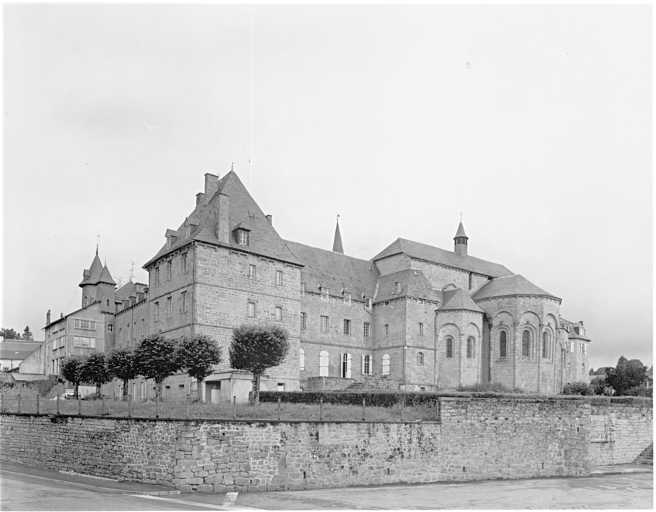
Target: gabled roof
[[458, 299], [436, 255], [335, 271], [413, 284], [510, 285], [243, 211], [128, 289], [93, 274]]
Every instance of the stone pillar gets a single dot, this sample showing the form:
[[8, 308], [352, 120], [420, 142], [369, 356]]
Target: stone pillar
[[461, 339]]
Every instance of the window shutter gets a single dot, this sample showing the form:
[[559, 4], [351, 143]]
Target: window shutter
[[341, 365], [348, 366], [362, 364], [371, 365]]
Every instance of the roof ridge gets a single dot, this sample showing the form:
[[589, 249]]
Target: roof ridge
[[326, 250]]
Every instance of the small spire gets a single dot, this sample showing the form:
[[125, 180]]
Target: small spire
[[337, 243], [232, 166]]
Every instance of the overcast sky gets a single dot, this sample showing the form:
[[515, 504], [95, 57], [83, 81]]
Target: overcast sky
[[533, 121]]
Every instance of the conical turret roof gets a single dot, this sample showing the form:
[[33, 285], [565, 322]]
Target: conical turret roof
[[92, 276], [106, 277], [461, 232], [337, 243]]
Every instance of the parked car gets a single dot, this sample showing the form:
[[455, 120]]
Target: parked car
[[93, 396], [64, 396]]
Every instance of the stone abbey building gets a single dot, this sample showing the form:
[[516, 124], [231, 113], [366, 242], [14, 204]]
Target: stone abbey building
[[414, 317]]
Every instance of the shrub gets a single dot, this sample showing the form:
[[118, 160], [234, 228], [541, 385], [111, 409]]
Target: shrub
[[639, 391], [577, 388]]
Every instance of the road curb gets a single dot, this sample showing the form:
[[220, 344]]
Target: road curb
[[106, 490]]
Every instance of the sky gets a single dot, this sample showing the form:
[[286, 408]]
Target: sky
[[533, 121]]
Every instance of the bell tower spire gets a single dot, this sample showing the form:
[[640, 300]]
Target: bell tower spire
[[460, 240], [337, 243]]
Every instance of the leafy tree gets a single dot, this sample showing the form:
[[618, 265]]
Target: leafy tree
[[94, 370], [255, 349], [626, 375], [197, 355], [71, 369], [120, 364], [27, 334], [156, 358], [10, 334]]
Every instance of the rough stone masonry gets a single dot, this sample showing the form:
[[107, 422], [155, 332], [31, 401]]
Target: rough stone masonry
[[472, 439]]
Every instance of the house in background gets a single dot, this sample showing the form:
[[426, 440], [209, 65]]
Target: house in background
[[14, 352]]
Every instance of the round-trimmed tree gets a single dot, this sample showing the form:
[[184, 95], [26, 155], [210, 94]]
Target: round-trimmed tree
[[120, 364], [255, 349], [198, 355], [156, 357], [94, 370], [71, 369]]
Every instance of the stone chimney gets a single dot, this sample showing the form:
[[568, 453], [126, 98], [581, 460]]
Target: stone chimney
[[270, 219], [140, 296], [200, 198], [223, 221], [48, 318], [126, 303], [211, 185], [133, 300]]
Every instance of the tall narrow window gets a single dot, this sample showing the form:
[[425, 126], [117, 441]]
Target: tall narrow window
[[367, 302], [366, 365], [251, 271], [242, 237], [303, 321], [157, 275], [184, 302], [449, 347], [278, 314], [301, 359], [386, 329], [503, 345], [169, 306], [323, 364], [526, 343], [346, 366], [421, 329], [366, 330], [420, 358], [251, 309], [324, 323], [347, 326], [386, 364], [471, 344], [302, 288], [347, 299], [278, 276], [184, 262], [168, 270], [545, 345], [156, 312]]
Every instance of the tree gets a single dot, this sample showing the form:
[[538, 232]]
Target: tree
[[156, 358], [94, 370], [626, 375], [27, 334], [120, 364], [197, 356], [71, 369], [255, 349], [9, 334]]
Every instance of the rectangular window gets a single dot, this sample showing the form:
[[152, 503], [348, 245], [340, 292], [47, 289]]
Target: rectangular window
[[184, 262], [367, 302], [303, 321], [157, 276], [278, 276], [366, 365], [347, 299], [278, 314], [169, 306], [251, 309], [184, 302], [325, 293], [347, 326], [242, 237], [85, 324], [386, 329], [367, 329], [251, 271], [156, 315], [302, 288], [324, 324], [168, 270], [421, 329]]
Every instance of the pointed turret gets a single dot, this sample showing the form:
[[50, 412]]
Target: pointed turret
[[92, 275], [460, 241], [106, 277], [337, 244]]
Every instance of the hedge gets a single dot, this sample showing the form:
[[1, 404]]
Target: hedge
[[409, 398]]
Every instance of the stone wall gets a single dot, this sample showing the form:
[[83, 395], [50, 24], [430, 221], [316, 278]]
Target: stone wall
[[472, 440]]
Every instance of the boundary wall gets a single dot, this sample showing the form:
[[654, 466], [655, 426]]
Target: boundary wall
[[472, 439]]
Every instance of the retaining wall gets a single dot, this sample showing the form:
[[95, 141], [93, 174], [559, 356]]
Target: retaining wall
[[472, 440]]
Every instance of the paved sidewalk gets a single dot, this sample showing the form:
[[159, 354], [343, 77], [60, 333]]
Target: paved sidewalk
[[91, 483]]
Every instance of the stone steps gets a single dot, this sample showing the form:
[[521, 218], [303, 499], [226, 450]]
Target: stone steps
[[646, 457]]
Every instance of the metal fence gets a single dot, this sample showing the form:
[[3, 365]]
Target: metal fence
[[192, 409]]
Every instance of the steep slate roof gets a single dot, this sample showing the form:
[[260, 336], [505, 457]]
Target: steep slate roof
[[458, 299], [461, 232], [94, 273], [18, 350], [106, 277], [128, 289], [413, 284], [263, 238], [509, 285], [337, 243], [436, 255], [335, 271]]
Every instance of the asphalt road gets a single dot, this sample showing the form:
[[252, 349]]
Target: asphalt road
[[22, 491]]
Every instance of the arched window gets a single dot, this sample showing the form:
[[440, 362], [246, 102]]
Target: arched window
[[545, 345], [301, 359], [323, 364], [386, 364], [471, 347], [449, 347], [420, 358], [526, 343], [503, 345]]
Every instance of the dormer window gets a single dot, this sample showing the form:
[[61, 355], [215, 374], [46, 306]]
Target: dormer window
[[168, 242], [367, 302], [397, 287], [241, 234], [187, 231]]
